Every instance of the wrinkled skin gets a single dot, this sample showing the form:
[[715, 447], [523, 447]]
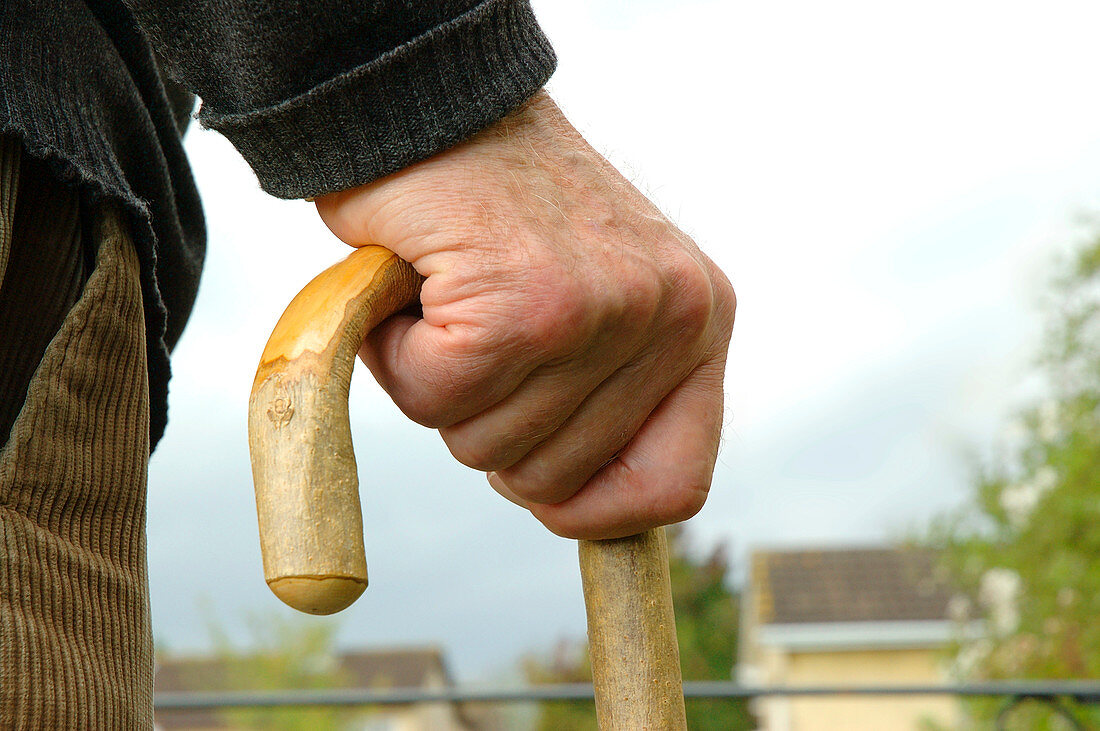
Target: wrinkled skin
[[573, 340]]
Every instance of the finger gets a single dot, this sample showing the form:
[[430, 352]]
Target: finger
[[662, 476], [602, 426], [437, 375], [497, 484], [502, 435]]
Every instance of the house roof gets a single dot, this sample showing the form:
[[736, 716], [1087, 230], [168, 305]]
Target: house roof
[[377, 669], [847, 585], [371, 669], [410, 668]]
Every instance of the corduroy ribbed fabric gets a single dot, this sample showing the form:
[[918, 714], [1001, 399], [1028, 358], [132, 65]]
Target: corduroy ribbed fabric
[[40, 223], [76, 645]]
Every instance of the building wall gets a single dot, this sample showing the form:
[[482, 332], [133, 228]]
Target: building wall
[[856, 713]]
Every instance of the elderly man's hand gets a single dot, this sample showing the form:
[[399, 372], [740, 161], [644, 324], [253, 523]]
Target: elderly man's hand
[[573, 340]]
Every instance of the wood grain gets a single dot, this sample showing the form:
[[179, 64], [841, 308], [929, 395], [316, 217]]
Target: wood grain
[[632, 633], [303, 464]]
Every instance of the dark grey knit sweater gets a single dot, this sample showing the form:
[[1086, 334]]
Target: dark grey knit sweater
[[317, 95]]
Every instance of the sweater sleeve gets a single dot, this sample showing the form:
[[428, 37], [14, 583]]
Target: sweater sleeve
[[324, 95]]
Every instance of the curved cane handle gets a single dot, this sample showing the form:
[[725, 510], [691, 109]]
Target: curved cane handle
[[307, 495], [303, 466]]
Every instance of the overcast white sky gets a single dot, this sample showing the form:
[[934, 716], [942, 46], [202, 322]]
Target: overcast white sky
[[886, 185]]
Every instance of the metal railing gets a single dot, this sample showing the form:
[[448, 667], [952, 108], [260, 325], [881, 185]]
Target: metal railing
[[1052, 693]]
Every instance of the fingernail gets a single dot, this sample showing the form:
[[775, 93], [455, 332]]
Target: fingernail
[[498, 484]]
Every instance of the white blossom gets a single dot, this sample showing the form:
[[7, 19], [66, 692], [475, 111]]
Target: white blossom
[[958, 608], [971, 656], [998, 591], [1014, 433], [1049, 426], [1020, 499], [1046, 477]]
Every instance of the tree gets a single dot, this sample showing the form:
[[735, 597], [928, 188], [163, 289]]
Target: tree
[[706, 627], [568, 663], [1024, 550], [297, 654]]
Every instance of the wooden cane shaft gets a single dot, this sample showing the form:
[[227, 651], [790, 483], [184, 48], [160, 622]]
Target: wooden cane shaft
[[303, 465], [632, 633]]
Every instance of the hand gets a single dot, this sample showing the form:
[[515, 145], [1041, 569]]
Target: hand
[[573, 340]]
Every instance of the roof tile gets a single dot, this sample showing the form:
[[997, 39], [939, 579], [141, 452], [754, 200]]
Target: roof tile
[[848, 585]]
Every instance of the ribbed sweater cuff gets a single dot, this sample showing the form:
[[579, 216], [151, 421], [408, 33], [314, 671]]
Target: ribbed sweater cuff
[[404, 106]]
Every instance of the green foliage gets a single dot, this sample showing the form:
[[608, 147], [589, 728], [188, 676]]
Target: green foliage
[[1024, 551], [706, 627], [569, 663], [281, 653], [707, 614]]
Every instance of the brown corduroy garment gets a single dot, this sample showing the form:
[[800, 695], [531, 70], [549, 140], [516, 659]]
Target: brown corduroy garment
[[75, 639]]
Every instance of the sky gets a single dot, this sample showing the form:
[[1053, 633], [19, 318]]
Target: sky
[[887, 185]]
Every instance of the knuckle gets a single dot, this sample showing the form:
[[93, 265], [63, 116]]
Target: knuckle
[[557, 319], [693, 295], [637, 300], [480, 451], [432, 402], [681, 499], [441, 387], [425, 411], [472, 452], [538, 485], [725, 301], [560, 524]]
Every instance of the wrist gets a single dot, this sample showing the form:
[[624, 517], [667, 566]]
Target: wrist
[[499, 159]]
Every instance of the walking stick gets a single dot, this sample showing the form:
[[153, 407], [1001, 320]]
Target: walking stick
[[307, 495]]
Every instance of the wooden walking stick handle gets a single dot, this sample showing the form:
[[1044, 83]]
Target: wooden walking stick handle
[[307, 496], [299, 436]]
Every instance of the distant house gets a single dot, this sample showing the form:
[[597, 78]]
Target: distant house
[[421, 668], [867, 616]]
